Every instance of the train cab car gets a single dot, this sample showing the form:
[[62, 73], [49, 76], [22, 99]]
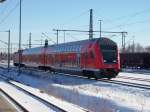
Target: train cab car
[[101, 58], [97, 58]]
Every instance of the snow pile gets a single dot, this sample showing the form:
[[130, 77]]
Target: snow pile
[[93, 95]]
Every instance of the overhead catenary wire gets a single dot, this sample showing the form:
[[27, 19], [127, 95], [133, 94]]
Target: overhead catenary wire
[[9, 13], [133, 14], [4, 8], [75, 18], [72, 36], [130, 24], [48, 37], [129, 18], [86, 31]]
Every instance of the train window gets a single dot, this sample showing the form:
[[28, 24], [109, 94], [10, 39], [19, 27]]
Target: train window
[[67, 49], [64, 49], [74, 48], [70, 48], [109, 53]]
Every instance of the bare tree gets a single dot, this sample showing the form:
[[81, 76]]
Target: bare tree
[[139, 48], [147, 49], [135, 47]]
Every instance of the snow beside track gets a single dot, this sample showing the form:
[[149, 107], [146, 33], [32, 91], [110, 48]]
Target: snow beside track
[[93, 95], [137, 71], [57, 102], [134, 78], [31, 104], [136, 75]]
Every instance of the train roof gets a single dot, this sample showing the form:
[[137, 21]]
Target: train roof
[[102, 41], [36, 50], [135, 53], [75, 46]]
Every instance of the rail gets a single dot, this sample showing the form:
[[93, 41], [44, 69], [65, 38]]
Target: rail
[[14, 101]]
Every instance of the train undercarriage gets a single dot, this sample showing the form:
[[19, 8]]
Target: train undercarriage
[[97, 74]]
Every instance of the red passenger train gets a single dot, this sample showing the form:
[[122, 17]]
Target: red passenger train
[[98, 58]]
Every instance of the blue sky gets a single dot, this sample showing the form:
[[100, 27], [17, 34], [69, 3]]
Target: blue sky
[[40, 16]]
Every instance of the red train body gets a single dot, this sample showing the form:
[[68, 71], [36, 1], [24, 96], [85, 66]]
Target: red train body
[[97, 58]]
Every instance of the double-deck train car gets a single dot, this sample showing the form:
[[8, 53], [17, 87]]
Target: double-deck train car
[[97, 58]]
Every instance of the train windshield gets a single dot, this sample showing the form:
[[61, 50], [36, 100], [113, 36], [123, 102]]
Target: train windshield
[[109, 53]]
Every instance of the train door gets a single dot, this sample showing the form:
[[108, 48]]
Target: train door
[[86, 58], [43, 57], [78, 59]]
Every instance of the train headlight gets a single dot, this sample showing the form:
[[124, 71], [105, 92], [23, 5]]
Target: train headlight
[[105, 61], [114, 61]]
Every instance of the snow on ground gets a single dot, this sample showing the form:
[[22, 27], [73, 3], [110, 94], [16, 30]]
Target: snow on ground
[[57, 102], [5, 63], [24, 99], [93, 95], [134, 78], [136, 75], [138, 71]]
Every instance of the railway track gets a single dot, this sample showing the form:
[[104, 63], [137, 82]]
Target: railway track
[[134, 78], [129, 84], [51, 105], [17, 106], [113, 81]]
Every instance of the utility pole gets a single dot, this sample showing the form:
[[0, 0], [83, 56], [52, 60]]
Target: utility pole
[[57, 36], [30, 40], [8, 50], [20, 35], [8, 44], [64, 36], [123, 41], [91, 25], [11, 48], [100, 24]]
